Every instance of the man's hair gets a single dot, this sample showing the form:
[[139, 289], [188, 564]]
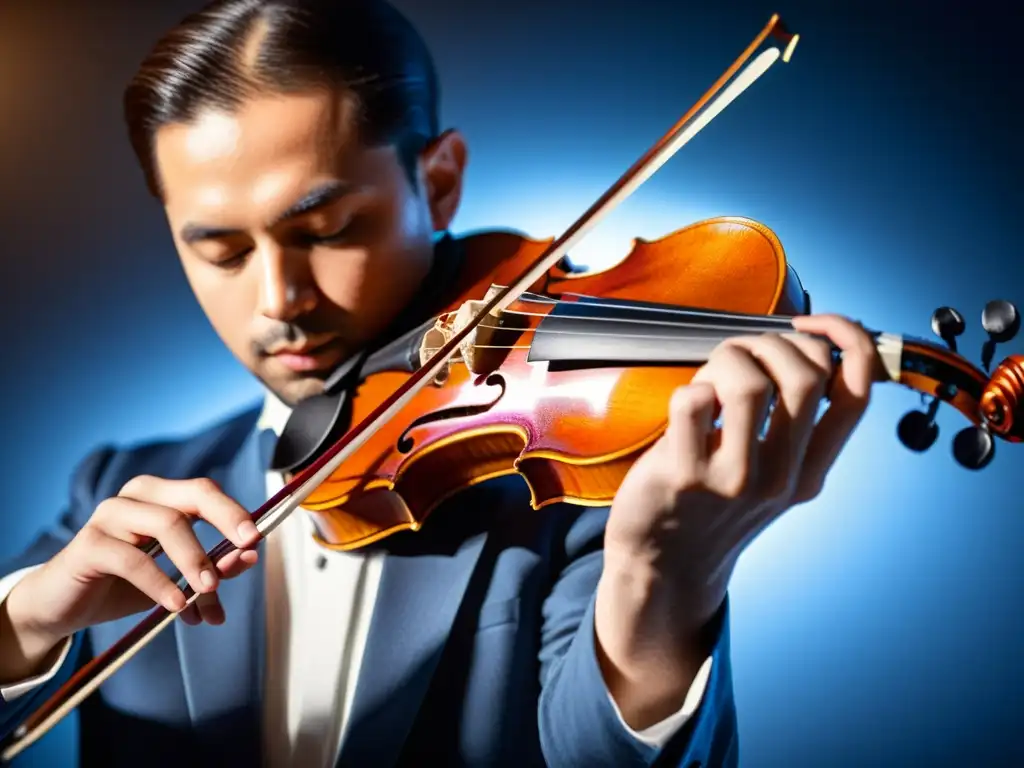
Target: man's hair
[[234, 49]]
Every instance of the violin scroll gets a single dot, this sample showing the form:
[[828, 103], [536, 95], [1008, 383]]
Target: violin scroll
[[994, 403], [1002, 402]]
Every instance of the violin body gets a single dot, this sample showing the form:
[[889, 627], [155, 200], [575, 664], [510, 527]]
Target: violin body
[[570, 429]]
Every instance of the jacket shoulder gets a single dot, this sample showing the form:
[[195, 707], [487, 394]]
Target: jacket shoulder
[[106, 469]]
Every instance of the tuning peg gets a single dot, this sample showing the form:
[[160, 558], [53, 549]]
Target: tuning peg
[[947, 324], [974, 447], [917, 430], [1001, 322]]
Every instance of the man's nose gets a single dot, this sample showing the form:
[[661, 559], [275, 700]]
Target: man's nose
[[287, 289]]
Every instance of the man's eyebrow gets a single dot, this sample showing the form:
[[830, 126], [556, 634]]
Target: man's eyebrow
[[319, 196], [325, 193]]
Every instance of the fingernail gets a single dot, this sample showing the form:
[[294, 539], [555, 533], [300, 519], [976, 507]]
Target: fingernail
[[207, 578], [175, 602], [248, 530]]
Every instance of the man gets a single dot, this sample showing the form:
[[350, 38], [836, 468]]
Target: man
[[295, 147]]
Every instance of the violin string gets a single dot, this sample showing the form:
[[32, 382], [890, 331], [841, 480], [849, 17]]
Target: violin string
[[626, 336], [747, 328], [699, 317], [728, 329], [755, 324], [692, 312], [665, 309]]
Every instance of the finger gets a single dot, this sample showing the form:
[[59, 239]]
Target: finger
[[106, 555], [848, 398], [199, 497], [800, 368], [128, 520], [744, 392], [237, 562], [861, 365], [690, 422], [817, 350], [210, 608], [191, 615]]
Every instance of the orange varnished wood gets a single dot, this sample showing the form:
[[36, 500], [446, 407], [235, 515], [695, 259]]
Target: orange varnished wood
[[572, 435], [1002, 401]]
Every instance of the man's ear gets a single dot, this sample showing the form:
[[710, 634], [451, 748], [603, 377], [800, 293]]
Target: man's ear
[[442, 165]]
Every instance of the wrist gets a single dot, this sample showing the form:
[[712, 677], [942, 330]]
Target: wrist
[[25, 641], [648, 654], [662, 594]]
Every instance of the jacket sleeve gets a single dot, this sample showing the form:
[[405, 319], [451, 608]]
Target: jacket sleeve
[[25, 697], [578, 721], [13, 689]]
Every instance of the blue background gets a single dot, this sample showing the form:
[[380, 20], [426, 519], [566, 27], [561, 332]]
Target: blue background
[[877, 625]]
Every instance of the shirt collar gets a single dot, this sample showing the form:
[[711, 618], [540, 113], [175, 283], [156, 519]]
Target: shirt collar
[[274, 415]]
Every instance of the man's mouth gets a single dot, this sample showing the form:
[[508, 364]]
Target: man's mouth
[[320, 356]]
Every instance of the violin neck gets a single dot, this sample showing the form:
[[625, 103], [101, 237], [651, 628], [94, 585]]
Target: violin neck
[[596, 333]]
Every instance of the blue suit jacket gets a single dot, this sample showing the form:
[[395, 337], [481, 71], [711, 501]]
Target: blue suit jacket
[[481, 648]]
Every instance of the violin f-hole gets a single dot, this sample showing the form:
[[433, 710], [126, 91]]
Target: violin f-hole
[[405, 443]]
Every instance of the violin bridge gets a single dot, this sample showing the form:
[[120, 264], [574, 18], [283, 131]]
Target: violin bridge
[[482, 350], [433, 340], [475, 347], [490, 343]]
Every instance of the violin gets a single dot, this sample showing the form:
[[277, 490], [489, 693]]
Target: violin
[[523, 365], [569, 384]]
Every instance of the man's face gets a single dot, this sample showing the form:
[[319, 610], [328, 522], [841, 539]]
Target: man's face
[[300, 244]]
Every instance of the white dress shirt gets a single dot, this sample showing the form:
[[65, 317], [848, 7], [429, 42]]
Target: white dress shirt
[[314, 655]]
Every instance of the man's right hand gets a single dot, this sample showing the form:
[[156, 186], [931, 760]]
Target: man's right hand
[[103, 574]]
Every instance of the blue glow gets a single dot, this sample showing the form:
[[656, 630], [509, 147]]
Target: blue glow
[[874, 626]]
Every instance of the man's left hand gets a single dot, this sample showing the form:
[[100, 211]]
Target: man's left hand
[[701, 494]]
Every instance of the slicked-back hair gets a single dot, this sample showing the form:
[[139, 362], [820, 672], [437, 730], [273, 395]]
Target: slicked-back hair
[[232, 50]]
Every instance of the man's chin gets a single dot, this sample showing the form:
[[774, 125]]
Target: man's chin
[[294, 389]]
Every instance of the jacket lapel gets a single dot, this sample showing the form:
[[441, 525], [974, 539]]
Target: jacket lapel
[[423, 583], [417, 601], [222, 667]]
